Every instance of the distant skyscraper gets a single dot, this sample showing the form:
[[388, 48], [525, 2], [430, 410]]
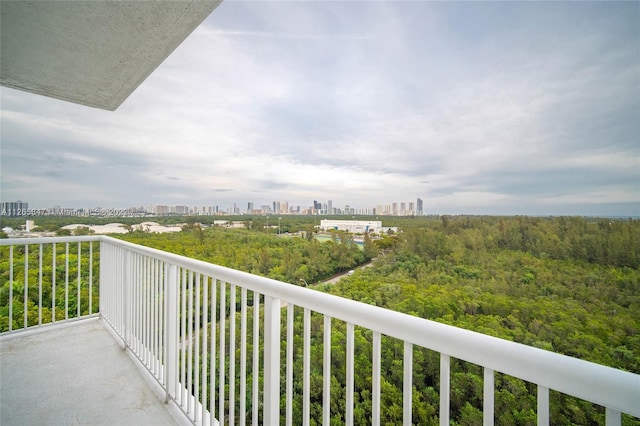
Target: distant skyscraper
[[419, 207], [14, 208], [329, 207]]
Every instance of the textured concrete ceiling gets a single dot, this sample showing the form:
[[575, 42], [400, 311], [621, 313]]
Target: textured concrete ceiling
[[93, 53]]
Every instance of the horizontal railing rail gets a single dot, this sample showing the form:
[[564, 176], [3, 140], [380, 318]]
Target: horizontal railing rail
[[197, 328]]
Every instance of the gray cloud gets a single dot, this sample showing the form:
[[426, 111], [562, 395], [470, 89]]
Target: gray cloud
[[474, 107]]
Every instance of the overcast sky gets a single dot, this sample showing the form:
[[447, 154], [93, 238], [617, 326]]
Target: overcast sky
[[477, 108]]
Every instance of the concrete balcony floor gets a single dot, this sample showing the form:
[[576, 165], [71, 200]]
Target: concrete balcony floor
[[76, 373]]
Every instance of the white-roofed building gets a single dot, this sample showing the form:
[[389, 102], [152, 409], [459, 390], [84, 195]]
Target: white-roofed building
[[353, 226]]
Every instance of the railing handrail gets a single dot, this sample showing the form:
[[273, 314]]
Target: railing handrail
[[48, 240], [610, 387]]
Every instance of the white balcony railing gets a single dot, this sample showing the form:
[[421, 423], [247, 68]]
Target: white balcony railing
[[179, 317]]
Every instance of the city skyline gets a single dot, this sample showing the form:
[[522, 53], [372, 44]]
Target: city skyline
[[20, 208], [475, 106]]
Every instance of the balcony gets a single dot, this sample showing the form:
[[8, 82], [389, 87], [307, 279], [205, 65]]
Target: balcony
[[204, 344]]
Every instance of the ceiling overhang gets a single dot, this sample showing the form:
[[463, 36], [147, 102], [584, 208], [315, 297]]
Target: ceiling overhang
[[95, 52]]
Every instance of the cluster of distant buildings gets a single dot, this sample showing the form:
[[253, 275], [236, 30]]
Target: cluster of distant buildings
[[21, 209], [393, 209]]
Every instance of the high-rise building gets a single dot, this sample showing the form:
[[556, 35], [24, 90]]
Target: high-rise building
[[180, 209], [161, 210], [419, 207], [14, 208]]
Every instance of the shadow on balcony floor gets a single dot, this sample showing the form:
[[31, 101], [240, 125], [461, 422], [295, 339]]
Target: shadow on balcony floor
[[77, 374]]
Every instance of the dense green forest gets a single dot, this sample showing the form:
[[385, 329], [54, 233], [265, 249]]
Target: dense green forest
[[570, 285]]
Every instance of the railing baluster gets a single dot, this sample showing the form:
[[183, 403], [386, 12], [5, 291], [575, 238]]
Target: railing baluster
[[221, 360], [133, 293], [110, 288], [40, 285], [139, 302], [212, 361], [232, 354], [152, 314], [66, 281], [271, 360], [90, 277], [117, 302], [171, 327], [79, 285], [121, 308], [102, 277], [190, 341], [149, 314], [349, 378], [146, 311], [306, 368], [53, 281], [110, 255], [445, 364], [160, 315], [205, 329], [612, 417], [196, 351], [161, 323], [183, 337], [289, 365], [543, 406], [407, 386], [488, 397], [326, 372], [156, 318], [375, 380], [126, 303], [26, 286], [11, 288], [255, 401], [243, 356], [149, 302]]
